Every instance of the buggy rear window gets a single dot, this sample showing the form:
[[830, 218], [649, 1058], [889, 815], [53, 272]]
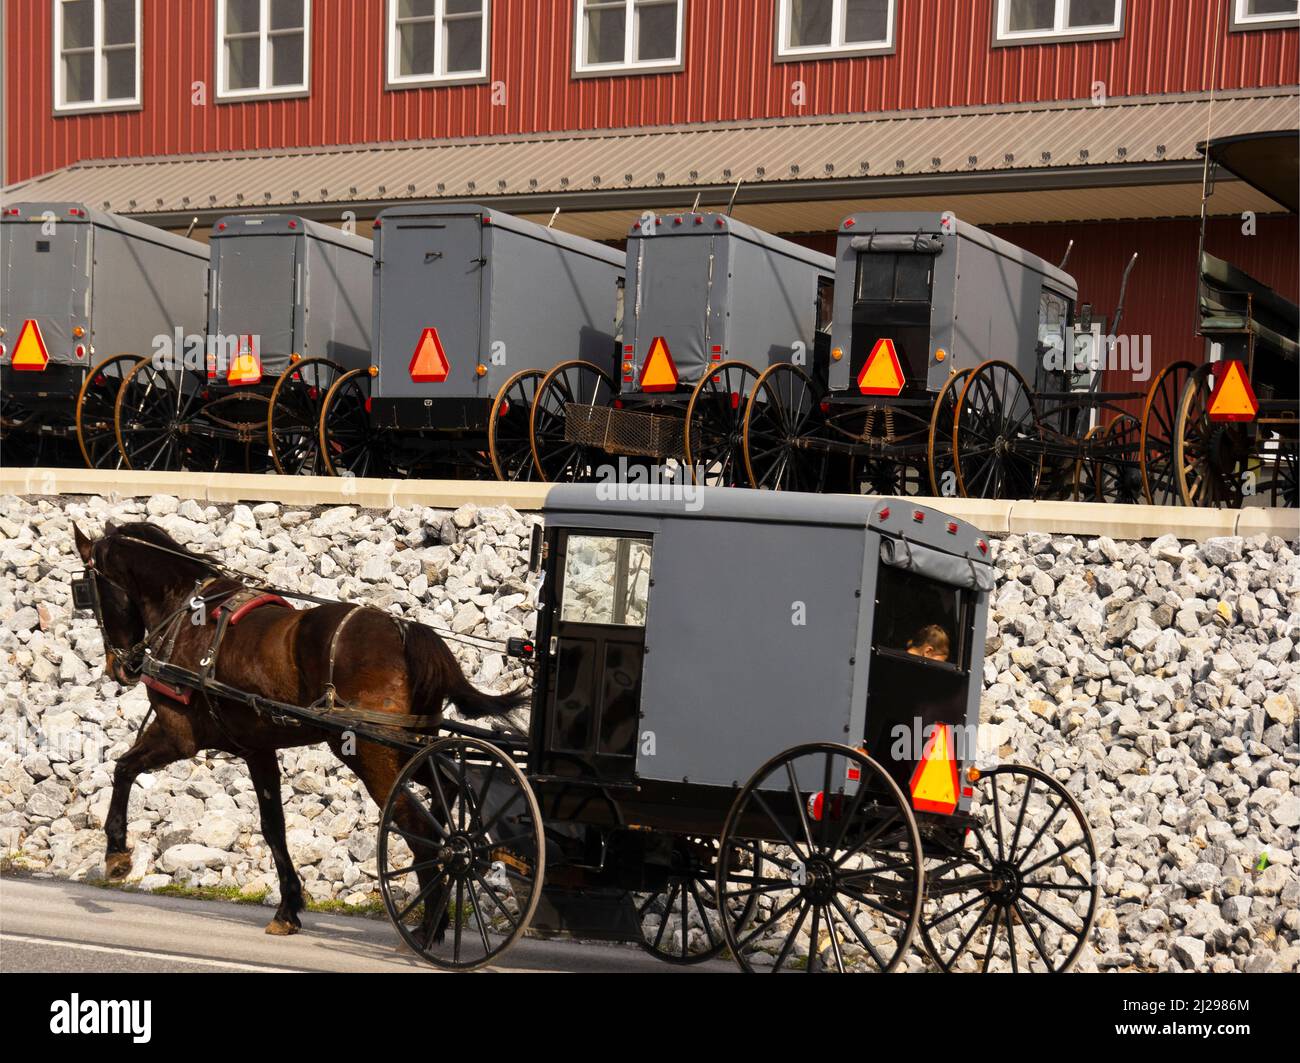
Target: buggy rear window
[[922, 618], [606, 581], [894, 278]]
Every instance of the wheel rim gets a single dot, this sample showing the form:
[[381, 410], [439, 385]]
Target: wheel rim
[[96, 404], [293, 423], [1207, 455], [350, 445], [997, 435], [1017, 892], [715, 425], [942, 424], [845, 868], [1159, 417], [509, 441], [556, 458], [154, 422], [782, 415], [1118, 472], [460, 843]]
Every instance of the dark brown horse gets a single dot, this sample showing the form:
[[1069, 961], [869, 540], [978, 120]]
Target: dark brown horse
[[381, 665]]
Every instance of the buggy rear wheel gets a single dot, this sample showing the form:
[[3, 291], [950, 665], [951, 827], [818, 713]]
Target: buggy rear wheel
[[350, 444], [997, 436], [1156, 443], [715, 421], [293, 421], [560, 454], [1016, 892], [96, 401], [509, 443], [461, 853], [839, 884], [156, 418], [1109, 468], [783, 422], [943, 477], [1210, 458]]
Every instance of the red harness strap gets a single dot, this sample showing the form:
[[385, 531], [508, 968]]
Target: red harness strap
[[257, 603], [182, 696]]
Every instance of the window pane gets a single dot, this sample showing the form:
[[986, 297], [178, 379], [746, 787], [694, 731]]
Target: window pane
[[464, 7], [286, 14], [119, 22], [241, 64], [1027, 15], [656, 32], [1091, 13], [78, 24], [242, 16], [913, 283], [810, 22], [286, 59], [918, 616], [415, 48], [79, 77], [119, 72], [606, 581], [866, 21], [464, 45], [606, 31], [414, 8], [1272, 7]]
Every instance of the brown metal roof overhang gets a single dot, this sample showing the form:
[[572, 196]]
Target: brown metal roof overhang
[[1129, 141]]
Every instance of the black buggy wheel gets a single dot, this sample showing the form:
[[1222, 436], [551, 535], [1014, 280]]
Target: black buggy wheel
[[783, 423], [570, 389], [840, 881], [997, 435], [715, 421], [509, 443], [157, 418], [350, 444], [293, 423], [943, 477], [1017, 892], [96, 401], [1156, 444], [461, 853]]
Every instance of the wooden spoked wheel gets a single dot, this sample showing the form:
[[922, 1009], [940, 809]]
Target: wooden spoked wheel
[[783, 422], [564, 453], [1017, 891], [1110, 467], [840, 882], [96, 402], [1085, 466], [1156, 440], [509, 443], [350, 443], [1284, 488], [715, 426], [997, 436], [1211, 458], [156, 420], [943, 418], [461, 853], [293, 423]]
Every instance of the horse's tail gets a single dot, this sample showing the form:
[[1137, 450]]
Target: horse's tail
[[436, 678]]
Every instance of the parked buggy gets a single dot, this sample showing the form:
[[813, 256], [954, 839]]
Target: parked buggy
[[86, 293], [288, 315], [710, 303], [472, 308]]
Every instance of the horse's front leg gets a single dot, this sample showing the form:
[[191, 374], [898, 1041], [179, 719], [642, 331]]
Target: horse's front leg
[[264, 769], [154, 748]]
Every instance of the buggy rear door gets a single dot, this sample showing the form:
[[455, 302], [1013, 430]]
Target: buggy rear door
[[46, 279], [674, 279], [257, 291]]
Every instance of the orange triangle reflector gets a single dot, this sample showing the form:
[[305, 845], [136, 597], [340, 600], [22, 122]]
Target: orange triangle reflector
[[247, 367], [429, 364], [30, 355], [934, 783], [660, 371], [1233, 398], [883, 374]]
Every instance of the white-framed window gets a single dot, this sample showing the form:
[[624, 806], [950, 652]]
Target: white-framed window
[[1037, 21], [628, 35], [432, 41], [96, 54], [263, 48], [1264, 14], [809, 28]]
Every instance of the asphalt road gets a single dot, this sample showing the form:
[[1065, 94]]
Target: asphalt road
[[53, 926]]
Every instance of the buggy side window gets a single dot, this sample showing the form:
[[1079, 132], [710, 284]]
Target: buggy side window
[[922, 618], [606, 581]]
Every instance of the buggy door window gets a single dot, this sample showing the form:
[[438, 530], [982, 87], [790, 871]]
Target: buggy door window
[[922, 618], [599, 646]]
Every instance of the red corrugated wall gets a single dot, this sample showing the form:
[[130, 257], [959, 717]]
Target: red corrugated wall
[[943, 58]]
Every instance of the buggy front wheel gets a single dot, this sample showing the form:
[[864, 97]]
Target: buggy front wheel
[[293, 420], [1016, 891], [461, 854], [715, 420], [509, 444], [565, 452], [96, 432], [839, 884]]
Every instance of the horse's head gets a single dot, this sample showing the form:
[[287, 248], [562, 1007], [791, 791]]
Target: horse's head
[[121, 623]]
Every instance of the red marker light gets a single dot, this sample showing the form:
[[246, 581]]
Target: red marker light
[[79, 351], [378, 224], [884, 513], [849, 223], [222, 227], [919, 516], [699, 220], [293, 225], [952, 527], [984, 547]]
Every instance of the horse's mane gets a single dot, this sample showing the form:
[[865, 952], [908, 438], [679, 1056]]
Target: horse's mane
[[172, 559]]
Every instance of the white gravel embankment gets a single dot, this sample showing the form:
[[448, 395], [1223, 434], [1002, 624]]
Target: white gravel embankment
[[1158, 681]]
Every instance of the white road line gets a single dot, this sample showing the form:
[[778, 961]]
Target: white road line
[[173, 957]]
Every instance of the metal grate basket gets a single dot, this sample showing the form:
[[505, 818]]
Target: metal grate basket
[[628, 432]]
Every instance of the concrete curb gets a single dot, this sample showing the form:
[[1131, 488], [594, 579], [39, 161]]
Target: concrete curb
[[994, 518]]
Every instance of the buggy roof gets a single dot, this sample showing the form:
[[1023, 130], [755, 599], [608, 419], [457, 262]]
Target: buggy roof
[[35, 212], [279, 224], [1269, 162], [697, 224]]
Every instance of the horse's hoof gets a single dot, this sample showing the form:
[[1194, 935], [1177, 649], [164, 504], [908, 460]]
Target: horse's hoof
[[117, 866], [280, 929]]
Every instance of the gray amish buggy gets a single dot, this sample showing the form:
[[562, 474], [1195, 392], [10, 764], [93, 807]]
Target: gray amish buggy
[[958, 366], [711, 302], [472, 307], [85, 294], [288, 315], [799, 788]]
